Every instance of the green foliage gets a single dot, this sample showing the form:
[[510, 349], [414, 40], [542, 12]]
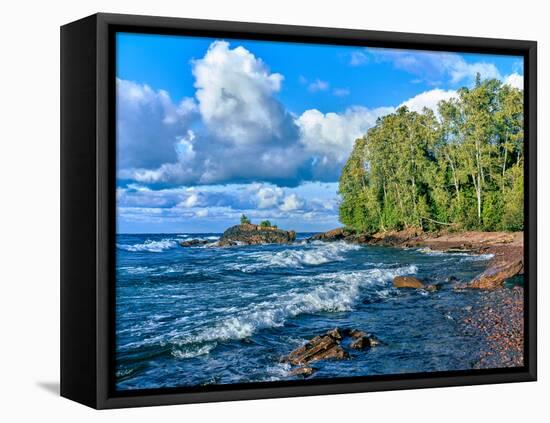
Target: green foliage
[[244, 219], [512, 215], [461, 169], [265, 224]]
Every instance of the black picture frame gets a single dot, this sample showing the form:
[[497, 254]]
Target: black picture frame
[[88, 208]]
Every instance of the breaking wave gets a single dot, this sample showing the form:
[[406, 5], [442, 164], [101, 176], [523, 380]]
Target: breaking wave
[[150, 246], [332, 292], [318, 253], [465, 256]]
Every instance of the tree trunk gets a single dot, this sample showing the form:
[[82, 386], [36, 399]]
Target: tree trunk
[[477, 186], [455, 179]]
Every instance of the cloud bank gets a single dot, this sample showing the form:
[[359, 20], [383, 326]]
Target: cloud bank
[[235, 130], [234, 148]]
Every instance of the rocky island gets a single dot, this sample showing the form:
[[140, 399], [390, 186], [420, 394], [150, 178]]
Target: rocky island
[[250, 234]]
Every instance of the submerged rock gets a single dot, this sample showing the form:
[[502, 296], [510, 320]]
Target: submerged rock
[[304, 371], [362, 340], [193, 242], [407, 282], [356, 333], [360, 343], [433, 287], [249, 234]]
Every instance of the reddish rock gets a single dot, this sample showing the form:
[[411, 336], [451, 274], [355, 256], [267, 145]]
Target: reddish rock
[[323, 347], [407, 282], [336, 333], [333, 235], [495, 275]]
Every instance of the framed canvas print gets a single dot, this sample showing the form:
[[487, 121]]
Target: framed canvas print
[[256, 211]]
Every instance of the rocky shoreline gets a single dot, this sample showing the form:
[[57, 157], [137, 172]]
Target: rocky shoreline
[[506, 248], [497, 316], [498, 319]]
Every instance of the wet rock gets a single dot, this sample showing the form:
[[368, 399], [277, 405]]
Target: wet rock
[[249, 234], [337, 333], [322, 347], [193, 242], [432, 287], [374, 341], [496, 274], [333, 235], [304, 371], [356, 333], [360, 343], [451, 279], [362, 340], [407, 282], [328, 346]]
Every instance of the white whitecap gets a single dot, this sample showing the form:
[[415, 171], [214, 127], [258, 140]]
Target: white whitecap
[[150, 246], [193, 352], [317, 253], [327, 292], [466, 256]]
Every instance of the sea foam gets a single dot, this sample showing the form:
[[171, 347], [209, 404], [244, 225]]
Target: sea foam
[[328, 292], [465, 256], [316, 254], [150, 246]]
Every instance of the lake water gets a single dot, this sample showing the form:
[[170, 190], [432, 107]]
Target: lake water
[[211, 315]]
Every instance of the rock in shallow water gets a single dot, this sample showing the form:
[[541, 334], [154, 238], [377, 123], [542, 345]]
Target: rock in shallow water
[[433, 287], [360, 343], [193, 242], [328, 346], [304, 371], [321, 347], [407, 282]]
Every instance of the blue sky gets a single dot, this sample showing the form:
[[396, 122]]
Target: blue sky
[[210, 129]]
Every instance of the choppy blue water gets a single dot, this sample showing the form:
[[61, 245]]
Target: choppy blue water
[[210, 315]]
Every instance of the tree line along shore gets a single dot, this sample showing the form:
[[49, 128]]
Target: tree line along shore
[[458, 168]]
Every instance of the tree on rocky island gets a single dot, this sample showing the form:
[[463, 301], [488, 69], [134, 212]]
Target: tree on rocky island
[[266, 224], [244, 220]]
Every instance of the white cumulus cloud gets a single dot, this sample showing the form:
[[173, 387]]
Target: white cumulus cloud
[[148, 124], [235, 93], [332, 135], [429, 99], [515, 80], [291, 202], [268, 196]]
